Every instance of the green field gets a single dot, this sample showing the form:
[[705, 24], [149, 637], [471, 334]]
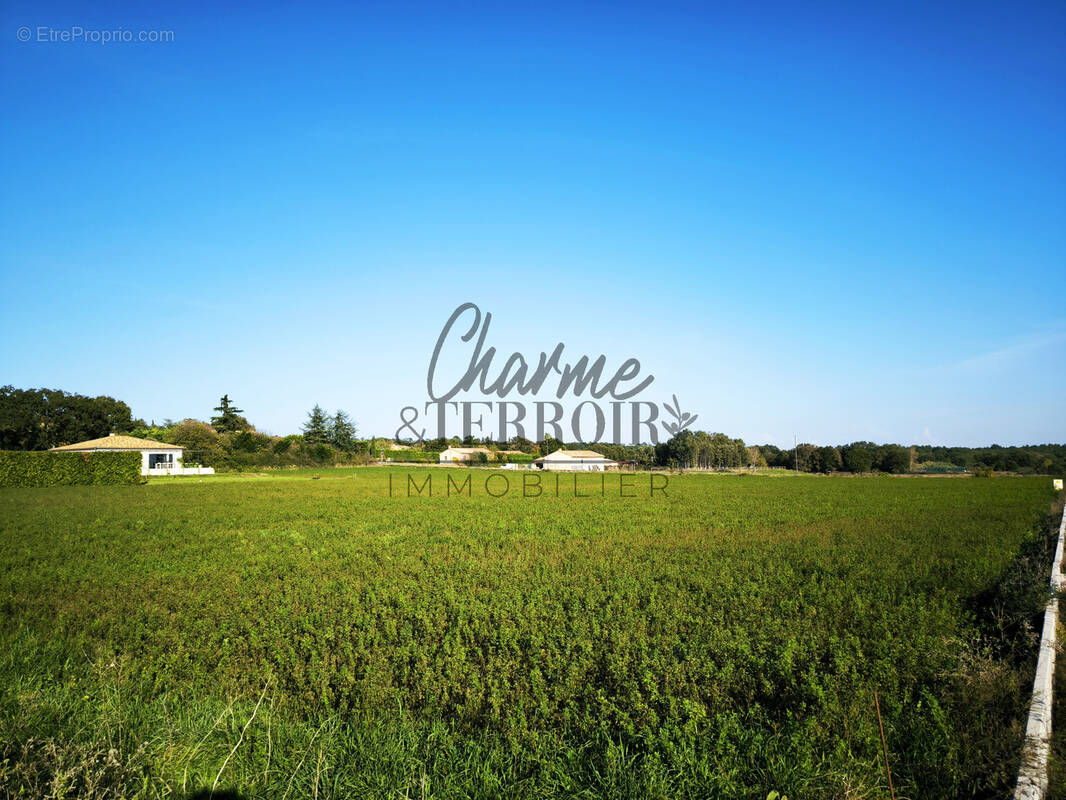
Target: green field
[[294, 636]]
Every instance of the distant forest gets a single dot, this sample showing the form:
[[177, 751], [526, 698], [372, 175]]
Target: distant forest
[[38, 419]]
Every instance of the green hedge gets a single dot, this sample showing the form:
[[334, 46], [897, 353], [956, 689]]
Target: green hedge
[[412, 456], [19, 468]]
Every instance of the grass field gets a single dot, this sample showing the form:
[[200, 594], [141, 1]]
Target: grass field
[[293, 636]]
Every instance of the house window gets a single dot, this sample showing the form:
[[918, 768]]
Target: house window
[[160, 460]]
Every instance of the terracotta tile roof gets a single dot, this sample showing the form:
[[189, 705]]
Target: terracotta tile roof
[[119, 442]]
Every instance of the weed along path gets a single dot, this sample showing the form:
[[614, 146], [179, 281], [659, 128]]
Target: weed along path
[[1033, 775], [279, 636]]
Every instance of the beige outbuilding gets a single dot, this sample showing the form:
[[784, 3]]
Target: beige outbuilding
[[454, 455]]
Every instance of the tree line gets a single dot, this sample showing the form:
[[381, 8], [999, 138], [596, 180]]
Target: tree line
[[39, 419], [1042, 459], [855, 457], [231, 441]]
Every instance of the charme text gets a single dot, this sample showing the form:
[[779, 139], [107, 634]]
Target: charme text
[[516, 375]]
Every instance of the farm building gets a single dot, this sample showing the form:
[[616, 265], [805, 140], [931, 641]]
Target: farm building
[[157, 458], [456, 454], [575, 461]]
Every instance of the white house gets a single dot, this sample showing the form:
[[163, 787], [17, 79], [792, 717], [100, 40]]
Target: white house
[[157, 458], [574, 461]]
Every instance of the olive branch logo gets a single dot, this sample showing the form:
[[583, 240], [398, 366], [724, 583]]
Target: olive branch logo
[[684, 419]]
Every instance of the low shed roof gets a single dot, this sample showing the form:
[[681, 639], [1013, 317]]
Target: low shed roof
[[562, 455]]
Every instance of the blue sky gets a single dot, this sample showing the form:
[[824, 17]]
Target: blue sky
[[815, 220]]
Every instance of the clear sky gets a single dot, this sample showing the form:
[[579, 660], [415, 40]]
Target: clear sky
[[816, 220]]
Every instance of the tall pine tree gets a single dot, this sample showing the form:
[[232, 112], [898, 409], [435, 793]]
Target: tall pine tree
[[316, 429], [342, 432], [228, 419]]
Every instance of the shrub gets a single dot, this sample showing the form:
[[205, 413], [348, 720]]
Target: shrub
[[517, 458], [412, 456], [202, 443], [34, 468]]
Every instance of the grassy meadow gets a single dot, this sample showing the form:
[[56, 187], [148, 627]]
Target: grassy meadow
[[304, 634]]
